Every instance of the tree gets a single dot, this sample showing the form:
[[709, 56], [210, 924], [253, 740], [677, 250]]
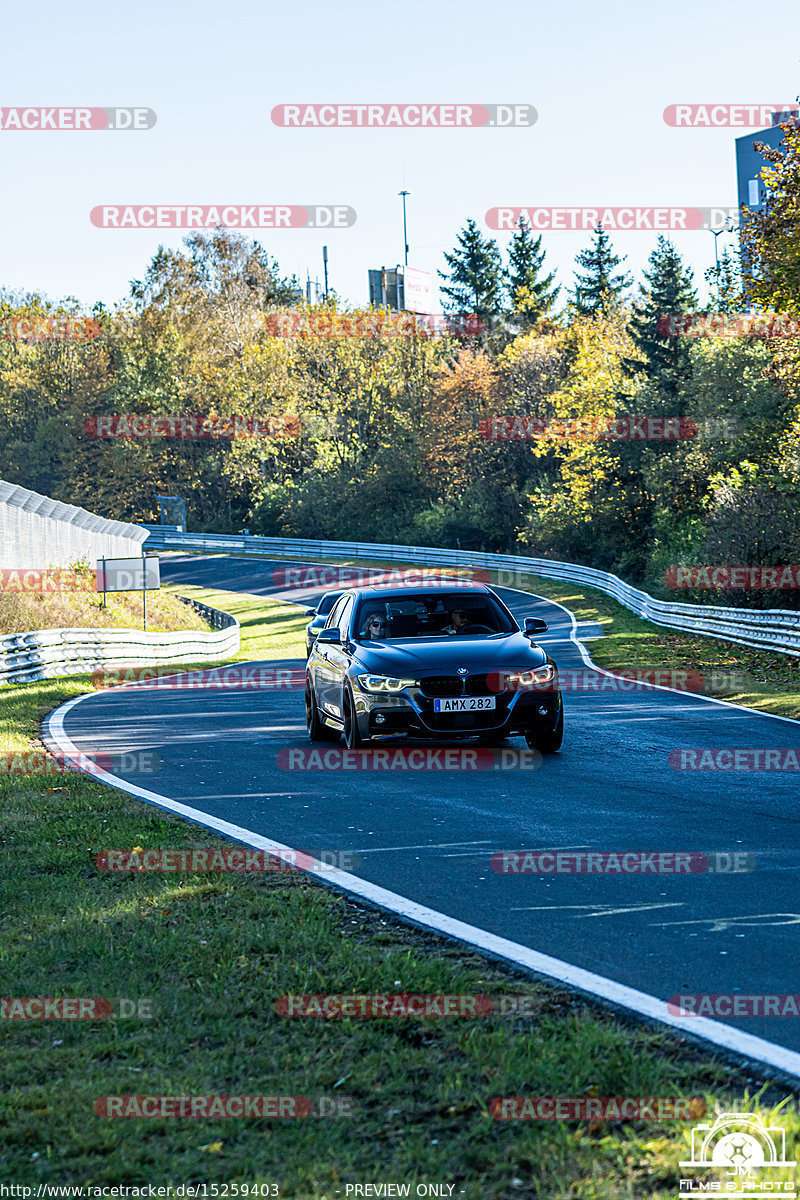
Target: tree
[[724, 281], [532, 294], [669, 288], [598, 288], [475, 283]]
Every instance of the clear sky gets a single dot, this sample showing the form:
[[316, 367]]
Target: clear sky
[[600, 76]]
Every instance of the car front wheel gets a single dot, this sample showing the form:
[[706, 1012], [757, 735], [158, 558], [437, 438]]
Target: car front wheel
[[352, 734], [547, 741]]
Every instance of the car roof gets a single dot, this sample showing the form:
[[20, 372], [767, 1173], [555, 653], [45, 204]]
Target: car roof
[[428, 589]]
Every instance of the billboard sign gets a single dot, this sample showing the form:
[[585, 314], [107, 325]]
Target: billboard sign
[[417, 290], [128, 574]]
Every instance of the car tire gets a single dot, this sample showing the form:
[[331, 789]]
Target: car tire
[[547, 741], [317, 732], [351, 734]]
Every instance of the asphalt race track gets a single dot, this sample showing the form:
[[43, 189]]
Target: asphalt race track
[[429, 835]]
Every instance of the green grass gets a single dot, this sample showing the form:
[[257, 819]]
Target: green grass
[[270, 628], [80, 606], [213, 952]]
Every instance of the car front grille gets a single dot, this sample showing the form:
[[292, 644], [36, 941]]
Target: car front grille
[[441, 685], [452, 685]]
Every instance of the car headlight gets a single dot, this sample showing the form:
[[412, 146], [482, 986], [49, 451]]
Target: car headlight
[[535, 677], [383, 683]]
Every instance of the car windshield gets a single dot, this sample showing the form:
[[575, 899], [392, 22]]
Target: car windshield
[[425, 615], [326, 603]]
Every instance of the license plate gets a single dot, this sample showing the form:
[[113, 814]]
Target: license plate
[[464, 704]]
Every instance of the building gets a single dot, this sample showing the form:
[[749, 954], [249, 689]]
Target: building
[[750, 164]]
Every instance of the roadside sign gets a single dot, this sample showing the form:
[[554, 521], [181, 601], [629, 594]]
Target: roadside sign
[[128, 574]]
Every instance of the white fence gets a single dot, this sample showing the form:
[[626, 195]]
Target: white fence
[[775, 629], [36, 531], [46, 653]]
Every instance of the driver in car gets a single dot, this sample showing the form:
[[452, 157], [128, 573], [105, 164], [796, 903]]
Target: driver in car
[[458, 618], [375, 626]]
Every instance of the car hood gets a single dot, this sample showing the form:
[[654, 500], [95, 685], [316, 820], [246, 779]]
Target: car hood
[[409, 657]]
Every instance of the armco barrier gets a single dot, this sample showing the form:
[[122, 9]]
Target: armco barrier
[[775, 629], [47, 653]]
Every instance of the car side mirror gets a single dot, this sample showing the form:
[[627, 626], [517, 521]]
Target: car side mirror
[[311, 612], [332, 636], [534, 625]]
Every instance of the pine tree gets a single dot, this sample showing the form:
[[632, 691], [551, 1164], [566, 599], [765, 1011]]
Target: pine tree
[[725, 283], [669, 288], [532, 295], [475, 276], [598, 288]]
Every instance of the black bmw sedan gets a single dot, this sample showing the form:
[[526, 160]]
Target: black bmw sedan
[[442, 662]]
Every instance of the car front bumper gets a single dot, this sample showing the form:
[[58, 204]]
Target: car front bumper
[[411, 713]]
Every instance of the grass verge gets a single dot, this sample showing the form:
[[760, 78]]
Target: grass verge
[[212, 953], [67, 600]]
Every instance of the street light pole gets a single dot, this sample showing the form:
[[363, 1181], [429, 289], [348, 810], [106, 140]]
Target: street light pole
[[716, 233], [405, 234]]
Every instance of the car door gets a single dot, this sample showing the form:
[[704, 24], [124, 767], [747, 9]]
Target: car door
[[326, 669], [338, 661]]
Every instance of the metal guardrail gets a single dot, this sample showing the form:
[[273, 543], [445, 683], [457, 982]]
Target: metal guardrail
[[49, 653], [774, 629]]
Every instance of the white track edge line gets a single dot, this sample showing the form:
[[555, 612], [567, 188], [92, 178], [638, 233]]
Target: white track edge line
[[645, 1005]]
